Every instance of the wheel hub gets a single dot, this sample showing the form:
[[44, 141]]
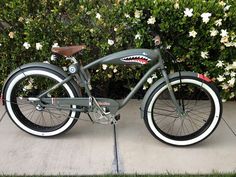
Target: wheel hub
[[39, 108]]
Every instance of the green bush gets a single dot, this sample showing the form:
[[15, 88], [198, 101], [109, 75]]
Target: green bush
[[201, 34]]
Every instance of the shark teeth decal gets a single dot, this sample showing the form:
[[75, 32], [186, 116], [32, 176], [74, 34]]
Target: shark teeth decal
[[136, 59]]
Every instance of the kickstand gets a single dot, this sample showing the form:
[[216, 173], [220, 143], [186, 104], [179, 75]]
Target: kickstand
[[3, 115], [90, 118]]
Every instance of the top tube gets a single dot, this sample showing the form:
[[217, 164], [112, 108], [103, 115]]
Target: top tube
[[130, 56]]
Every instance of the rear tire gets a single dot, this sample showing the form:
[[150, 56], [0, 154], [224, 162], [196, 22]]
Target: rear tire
[[199, 99], [34, 119]]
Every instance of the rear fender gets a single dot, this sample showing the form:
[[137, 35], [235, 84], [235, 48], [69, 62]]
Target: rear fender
[[162, 80], [37, 65]]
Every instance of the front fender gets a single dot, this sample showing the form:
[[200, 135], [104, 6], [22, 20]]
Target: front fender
[[159, 82], [36, 65]]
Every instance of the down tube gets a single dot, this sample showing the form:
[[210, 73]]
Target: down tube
[[139, 84]]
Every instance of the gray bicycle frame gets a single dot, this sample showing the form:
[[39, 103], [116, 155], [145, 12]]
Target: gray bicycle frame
[[113, 105]]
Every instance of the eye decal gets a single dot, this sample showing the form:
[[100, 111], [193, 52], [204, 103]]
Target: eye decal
[[136, 59]]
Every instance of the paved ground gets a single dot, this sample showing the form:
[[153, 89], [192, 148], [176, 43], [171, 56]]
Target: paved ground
[[89, 149]]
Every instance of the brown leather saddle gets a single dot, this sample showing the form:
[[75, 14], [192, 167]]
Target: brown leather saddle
[[68, 51]]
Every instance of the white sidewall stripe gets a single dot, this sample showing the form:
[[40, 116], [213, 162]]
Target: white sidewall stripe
[[197, 139]]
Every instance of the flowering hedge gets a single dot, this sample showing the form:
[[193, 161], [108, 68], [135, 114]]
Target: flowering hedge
[[201, 34]]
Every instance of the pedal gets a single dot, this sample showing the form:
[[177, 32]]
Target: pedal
[[117, 117]]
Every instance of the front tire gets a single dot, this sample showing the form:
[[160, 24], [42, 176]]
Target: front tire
[[35, 119], [199, 100]]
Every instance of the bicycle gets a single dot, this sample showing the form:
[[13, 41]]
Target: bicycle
[[180, 109]]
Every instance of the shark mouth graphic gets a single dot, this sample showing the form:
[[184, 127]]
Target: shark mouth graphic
[[136, 59]]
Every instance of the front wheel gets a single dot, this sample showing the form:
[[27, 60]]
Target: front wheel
[[202, 111]]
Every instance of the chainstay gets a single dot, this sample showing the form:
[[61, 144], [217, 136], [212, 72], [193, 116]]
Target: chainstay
[[69, 117]]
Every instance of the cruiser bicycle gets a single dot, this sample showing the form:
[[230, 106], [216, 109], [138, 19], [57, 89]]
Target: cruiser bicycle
[[179, 109]]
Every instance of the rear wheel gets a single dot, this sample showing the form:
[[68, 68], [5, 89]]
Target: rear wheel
[[34, 118], [200, 102]]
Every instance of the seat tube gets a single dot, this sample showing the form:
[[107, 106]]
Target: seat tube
[[179, 109]]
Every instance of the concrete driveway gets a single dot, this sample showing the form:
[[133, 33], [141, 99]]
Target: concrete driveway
[[92, 149]]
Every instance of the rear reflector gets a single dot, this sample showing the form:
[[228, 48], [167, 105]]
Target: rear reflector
[[201, 76]]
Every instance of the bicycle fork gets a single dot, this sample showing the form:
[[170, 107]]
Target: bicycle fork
[[179, 110]]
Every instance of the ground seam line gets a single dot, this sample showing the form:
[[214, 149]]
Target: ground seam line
[[229, 126], [3, 116], [116, 159]]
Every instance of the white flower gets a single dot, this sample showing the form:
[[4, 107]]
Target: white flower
[[150, 80], [218, 22], [27, 20], [233, 65], [223, 100], [176, 6], [28, 87], [224, 39], [234, 44], [168, 46], [223, 33], [205, 17], [144, 87], [115, 70], [214, 32], [220, 78], [98, 16], [232, 95], [20, 19], [104, 66], [26, 45], [138, 36], [226, 73], [115, 29], [204, 54], [55, 45], [231, 82], [220, 63], [11, 35], [232, 74], [228, 67], [38, 46], [227, 7], [151, 20], [225, 15], [109, 75], [110, 42], [222, 47], [154, 76], [60, 3], [127, 15], [225, 86], [137, 13], [229, 44], [53, 58], [222, 3], [188, 12], [64, 68], [0, 44], [192, 33], [97, 70]]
